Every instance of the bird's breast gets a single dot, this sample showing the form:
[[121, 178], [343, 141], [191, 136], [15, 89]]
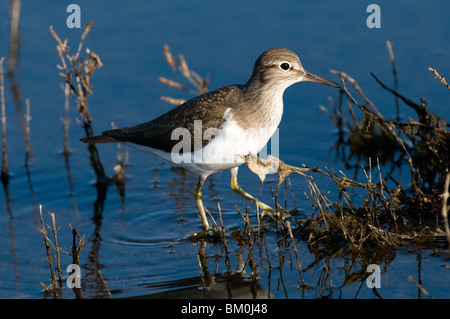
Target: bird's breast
[[235, 139]]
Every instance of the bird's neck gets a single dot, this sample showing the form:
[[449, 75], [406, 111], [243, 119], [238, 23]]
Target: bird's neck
[[263, 104]]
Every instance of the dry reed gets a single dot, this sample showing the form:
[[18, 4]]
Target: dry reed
[[56, 272], [77, 73], [200, 85], [5, 169]]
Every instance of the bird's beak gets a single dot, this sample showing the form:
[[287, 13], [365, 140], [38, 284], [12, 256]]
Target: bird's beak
[[307, 76]]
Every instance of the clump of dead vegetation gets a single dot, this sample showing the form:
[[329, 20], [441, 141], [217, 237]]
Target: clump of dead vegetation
[[54, 289], [379, 211], [77, 70]]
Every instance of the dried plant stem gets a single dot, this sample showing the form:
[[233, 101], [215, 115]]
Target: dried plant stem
[[394, 72], [299, 264], [57, 249], [27, 133], [169, 57], [172, 84], [77, 245], [445, 196], [201, 259], [5, 169], [56, 272], [77, 73], [104, 283], [440, 78], [66, 119], [358, 89], [48, 244], [200, 85], [14, 45], [383, 124], [80, 72], [172, 100], [420, 287]]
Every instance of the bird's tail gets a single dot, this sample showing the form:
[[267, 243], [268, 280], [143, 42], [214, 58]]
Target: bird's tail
[[101, 139]]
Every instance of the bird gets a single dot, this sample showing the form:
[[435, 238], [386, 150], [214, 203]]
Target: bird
[[213, 132]]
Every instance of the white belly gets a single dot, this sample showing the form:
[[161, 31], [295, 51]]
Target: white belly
[[233, 143], [229, 145], [227, 149]]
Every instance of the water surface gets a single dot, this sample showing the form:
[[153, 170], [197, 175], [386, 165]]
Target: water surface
[[140, 242]]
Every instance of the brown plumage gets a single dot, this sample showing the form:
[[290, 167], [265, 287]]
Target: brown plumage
[[209, 108]]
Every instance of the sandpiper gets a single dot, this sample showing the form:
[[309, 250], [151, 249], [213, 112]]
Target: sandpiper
[[214, 132]]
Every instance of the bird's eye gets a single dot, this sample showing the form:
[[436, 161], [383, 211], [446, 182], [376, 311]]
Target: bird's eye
[[285, 66]]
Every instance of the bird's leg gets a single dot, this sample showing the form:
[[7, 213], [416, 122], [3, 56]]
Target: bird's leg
[[198, 200], [266, 209]]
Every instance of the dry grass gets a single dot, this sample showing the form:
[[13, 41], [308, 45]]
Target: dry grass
[[77, 72], [5, 169], [439, 77], [56, 273], [200, 86]]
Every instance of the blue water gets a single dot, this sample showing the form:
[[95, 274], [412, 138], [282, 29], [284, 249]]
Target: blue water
[[139, 244]]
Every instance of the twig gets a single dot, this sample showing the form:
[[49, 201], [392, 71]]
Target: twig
[[83, 36], [14, 45], [76, 245], [201, 265], [77, 74], [440, 78], [384, 124], [172, 84], [358, 89], [12, 62], [169, 57], [5, 170], [418, 108], [172, 100], [299, 264], [27, 133], [49, 258], [105, 284], [420, 287], [394, 72], [211, 216], [193, 78], [66, 119], [445, 196], [57, 249]]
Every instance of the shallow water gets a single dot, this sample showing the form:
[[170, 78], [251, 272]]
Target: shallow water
[[140, 244]]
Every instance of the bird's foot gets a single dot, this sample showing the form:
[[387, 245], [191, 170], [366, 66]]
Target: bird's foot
[[278, 214], [266, 210]]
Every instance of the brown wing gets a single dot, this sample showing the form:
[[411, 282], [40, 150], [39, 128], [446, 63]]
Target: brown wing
[[209, 108]]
